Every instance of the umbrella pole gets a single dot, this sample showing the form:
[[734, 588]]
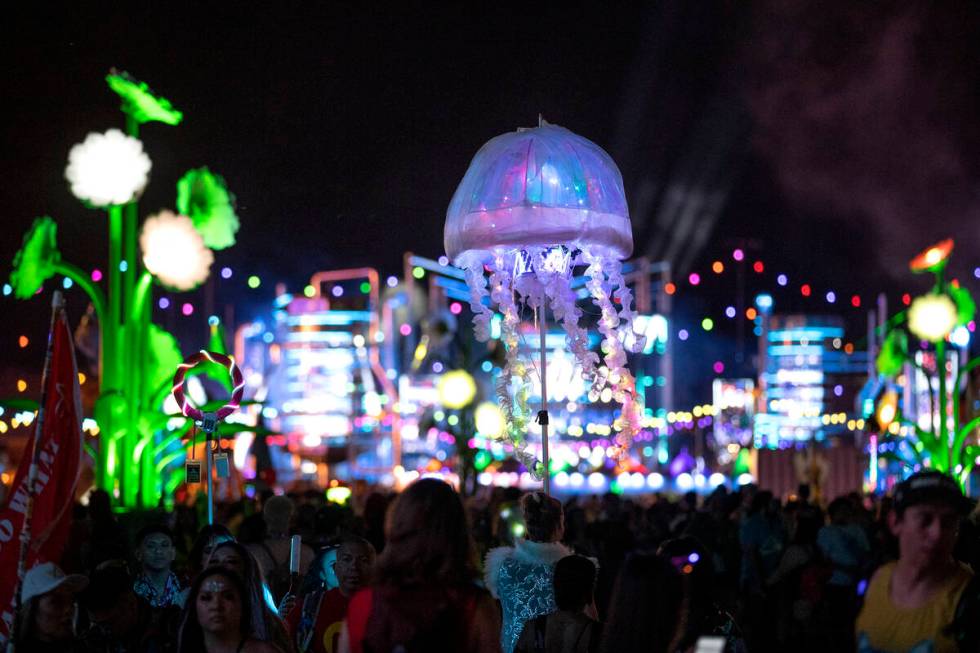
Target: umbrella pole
[[543, 413]]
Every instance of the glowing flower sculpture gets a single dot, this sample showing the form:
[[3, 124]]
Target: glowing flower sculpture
[[174, 252], [932, 317], [204, 197], [37, 259], [943, 441], [932, 259], [107, 169], [533, 205]]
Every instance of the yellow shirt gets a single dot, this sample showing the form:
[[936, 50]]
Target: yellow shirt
[[883, 627]]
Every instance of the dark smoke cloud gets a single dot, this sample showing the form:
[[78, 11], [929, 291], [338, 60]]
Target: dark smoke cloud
[[870, 111]]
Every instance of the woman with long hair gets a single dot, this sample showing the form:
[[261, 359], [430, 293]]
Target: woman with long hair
[[219, 615], [267, 625], [701, 615], [521, 575], [645, 608], [425, 596]]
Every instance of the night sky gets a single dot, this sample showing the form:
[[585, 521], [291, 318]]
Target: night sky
[[836, 141]]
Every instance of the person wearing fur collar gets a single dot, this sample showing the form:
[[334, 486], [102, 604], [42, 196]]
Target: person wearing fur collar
[[520, 577]]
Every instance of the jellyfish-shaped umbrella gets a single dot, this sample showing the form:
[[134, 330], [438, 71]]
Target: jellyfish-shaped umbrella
[[533, 205]]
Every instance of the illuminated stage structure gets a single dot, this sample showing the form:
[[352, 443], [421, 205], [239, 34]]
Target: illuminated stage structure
[[317, 365], [807, 381]]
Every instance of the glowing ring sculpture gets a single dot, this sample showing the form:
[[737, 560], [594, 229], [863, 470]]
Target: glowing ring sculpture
[[238, 381]]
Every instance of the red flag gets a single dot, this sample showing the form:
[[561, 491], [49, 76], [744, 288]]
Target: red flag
[[58, 446]]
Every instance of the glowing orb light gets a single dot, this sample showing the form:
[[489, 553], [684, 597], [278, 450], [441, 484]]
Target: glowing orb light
[[489, 420], [456, 389], [174, 251], [109, 168], [533, 205], [932, 317]]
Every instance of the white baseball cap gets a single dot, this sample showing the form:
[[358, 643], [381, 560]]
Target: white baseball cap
[[46, 577]]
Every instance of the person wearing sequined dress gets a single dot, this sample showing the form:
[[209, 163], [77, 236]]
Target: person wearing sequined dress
[[521, 576]]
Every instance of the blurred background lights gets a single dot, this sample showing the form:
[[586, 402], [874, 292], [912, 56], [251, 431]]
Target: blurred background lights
[[309, 291], [187, 308], [254, 281], [694, 278], [96, 275], [730, 311], [782, 280], [960, 336], [418, 272], [67, 283], [831, 297], [226, 273], [805, 290], [337, 291], [707, 324], [738, 255], [163, 303], [758, 267], [718, 367], [717, 267], [392, 281], [683, 334]]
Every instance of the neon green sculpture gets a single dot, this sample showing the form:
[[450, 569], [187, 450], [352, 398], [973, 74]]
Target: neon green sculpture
[[948, 445], [139, 449]]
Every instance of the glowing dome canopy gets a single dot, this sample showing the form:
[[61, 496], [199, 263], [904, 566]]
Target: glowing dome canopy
[[538, 187]]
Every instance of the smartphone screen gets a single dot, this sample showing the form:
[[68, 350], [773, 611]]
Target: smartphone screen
[[710, 645]]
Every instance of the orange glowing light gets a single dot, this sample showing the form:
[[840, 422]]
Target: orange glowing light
[[21, 385], [849, 348], [670, 288], [23, 341], [751, 313], [933, 257], [717, 267], [81, 378]]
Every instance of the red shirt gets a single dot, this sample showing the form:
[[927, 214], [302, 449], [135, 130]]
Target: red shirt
[[331, 610]]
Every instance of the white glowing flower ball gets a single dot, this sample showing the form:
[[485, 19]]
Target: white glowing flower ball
[[932, 317], [174, 251], [109, 168]]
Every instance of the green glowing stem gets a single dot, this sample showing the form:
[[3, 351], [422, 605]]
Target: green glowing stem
[[95, 295], [110, 382], [111, 328], [943, 401]]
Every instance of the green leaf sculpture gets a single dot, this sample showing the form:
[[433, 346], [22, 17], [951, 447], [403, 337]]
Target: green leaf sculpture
[[966, 308], [894, 352], [37, 259], [139, 101], [204, 197]]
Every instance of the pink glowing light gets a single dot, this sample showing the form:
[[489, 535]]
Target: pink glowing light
[[405, 329], [694, 278], [455, 308], [738, 255], [96, 275], [187, 308]]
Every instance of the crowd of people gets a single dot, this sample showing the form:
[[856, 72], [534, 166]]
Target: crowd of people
[[508, 572]]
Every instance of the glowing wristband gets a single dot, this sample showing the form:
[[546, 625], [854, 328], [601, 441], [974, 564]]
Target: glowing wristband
[[237, 381]]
